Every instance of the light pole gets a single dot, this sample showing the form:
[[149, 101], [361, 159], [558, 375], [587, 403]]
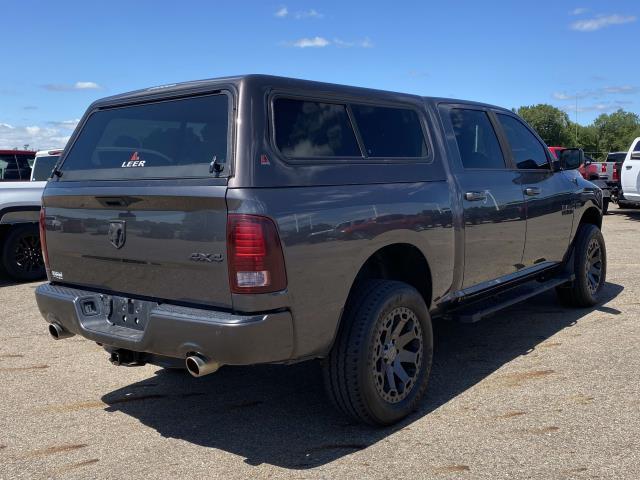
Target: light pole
[[576, 119]]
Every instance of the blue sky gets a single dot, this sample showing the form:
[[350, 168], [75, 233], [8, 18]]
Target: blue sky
[[59, 56]]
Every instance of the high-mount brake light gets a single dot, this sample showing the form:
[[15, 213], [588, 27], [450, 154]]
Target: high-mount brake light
[[255, 258]]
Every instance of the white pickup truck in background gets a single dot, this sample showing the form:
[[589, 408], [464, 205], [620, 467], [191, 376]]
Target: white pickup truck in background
[[630, 177], [21, 187]]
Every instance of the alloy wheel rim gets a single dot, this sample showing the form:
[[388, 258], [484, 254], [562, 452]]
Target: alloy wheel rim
[[397, 354], [28, 256], [594, 266]]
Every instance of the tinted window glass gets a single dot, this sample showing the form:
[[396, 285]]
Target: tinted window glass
[[306, 129], [528, 152], [637, 147], [43, 167], [390, 132], [477, 141], [14, 167], [177, 138], [617, 157]]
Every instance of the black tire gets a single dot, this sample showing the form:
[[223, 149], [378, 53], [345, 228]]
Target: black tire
[[605, 206], [21, 253], [589, 267], [623, 204], [353, 370]]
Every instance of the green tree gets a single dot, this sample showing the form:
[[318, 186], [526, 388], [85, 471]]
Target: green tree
[[617, 130], [551, 123]]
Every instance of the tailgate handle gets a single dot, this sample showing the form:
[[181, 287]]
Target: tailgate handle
[[116, 201], [475, 196]]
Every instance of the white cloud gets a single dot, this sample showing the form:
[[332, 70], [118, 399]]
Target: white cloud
[[320, 42], [602, 107], [64, 87], [36, 136], [316, 42], [86, 86], [68, 124], [601, 21], [308, 14], [596, 93], [282, 12], [620, 89], [364, 43], [578, 11]]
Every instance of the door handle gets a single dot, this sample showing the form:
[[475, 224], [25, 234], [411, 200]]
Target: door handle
[[628, 167], [531, 191], [475, 196]]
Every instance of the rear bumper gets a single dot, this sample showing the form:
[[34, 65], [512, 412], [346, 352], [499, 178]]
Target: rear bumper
[[174, 331], [604, 186]]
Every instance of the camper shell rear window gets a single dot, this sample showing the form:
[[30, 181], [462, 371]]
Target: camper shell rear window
[[179, 138]]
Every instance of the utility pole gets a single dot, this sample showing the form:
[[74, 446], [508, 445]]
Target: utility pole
[[576, 119]]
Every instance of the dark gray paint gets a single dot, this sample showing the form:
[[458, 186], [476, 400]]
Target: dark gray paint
[[331, 218]]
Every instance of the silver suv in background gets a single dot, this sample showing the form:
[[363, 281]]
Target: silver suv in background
[[23, 177]]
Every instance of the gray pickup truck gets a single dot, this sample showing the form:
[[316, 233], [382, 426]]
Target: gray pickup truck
[[259, 219]]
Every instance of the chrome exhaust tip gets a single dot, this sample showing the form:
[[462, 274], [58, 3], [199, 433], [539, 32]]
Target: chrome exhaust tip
[[57, 332], [199, 365]]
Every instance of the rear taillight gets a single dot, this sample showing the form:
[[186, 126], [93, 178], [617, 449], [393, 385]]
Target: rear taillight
[[256, 262], [603, 168], [615, 176], [43, 237]]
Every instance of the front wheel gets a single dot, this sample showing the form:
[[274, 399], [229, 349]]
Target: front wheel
[[589, 267], [21, 253], [378, 368]]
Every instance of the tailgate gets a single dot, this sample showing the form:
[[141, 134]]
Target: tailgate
[[138, 204], [152, 242]]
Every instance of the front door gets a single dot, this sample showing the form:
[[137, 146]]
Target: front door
[[549, 195], [493, 201]]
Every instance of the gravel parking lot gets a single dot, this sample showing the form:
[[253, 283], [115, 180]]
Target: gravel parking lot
[[537, 392]]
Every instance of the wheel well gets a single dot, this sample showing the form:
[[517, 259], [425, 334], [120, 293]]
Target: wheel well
[[592, 216], [4, 230], [402, 262]]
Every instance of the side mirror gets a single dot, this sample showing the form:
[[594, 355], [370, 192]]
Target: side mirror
[[571, 158], [635, 155]]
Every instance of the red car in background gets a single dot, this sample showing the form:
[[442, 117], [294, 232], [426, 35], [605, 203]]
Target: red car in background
[[596, 173]]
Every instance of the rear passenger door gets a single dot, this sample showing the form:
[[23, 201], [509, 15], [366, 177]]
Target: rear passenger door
[[549, 195], [493, 201]]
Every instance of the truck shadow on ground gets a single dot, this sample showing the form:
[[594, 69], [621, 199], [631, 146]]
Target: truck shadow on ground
[[279, 415], [627, 213]]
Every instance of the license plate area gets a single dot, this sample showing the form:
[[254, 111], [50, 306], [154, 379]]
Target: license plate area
[[128, 312]]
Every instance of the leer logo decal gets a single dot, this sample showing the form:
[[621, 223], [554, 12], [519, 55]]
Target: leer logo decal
[[134, 161]]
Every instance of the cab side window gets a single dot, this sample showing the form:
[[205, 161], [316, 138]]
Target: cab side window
[[528, 153], [476, 138]]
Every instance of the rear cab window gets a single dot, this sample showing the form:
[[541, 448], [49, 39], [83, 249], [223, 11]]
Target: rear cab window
[[164, 139], [477, 141], [310, 129], [15, 167], [43, 167]]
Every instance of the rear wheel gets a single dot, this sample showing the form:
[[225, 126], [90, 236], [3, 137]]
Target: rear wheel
[[378, 369], [21, 253], [589, 267]]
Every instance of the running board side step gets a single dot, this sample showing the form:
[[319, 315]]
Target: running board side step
[[476, 311]]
